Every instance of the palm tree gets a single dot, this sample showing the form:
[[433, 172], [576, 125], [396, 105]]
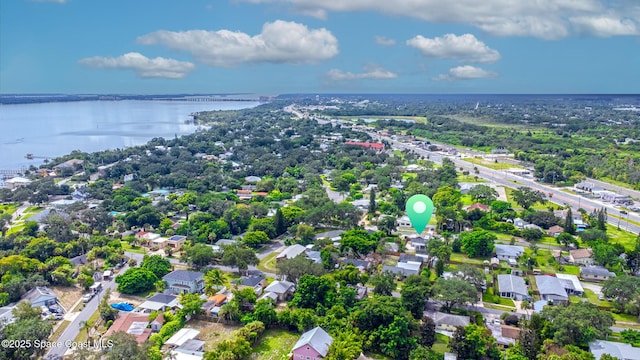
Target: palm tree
[[213, 280], [84, 325]]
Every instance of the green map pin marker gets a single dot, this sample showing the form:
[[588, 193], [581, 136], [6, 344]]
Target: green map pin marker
[[419, 209]]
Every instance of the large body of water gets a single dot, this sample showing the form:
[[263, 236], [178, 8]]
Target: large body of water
[[57, 128]]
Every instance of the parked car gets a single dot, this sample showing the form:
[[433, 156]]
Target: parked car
[[87, 297]]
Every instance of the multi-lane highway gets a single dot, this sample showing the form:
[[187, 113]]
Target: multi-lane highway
[[509, 180]]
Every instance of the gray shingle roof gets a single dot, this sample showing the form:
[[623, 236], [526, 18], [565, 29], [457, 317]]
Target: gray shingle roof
[[452, 320], [509, 250], [596, 270], [279, 287], [251, 280], [33, 294], [549, 285], [317, 338], [162, 298], [617, 350], [183, 275], [511, 283]]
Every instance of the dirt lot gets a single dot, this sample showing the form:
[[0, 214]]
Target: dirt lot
[[212, 333], [67, 295]]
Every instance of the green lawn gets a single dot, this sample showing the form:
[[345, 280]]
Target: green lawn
[[268, 264], [620, 236], [470, 178], [441, 345], [495, 299], [82, 335], [8, 208], [463, 259], [275, 344], [137, 249], [491, 164], [593, 298]]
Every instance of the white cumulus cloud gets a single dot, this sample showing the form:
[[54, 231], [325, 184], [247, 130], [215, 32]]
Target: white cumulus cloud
[[384, 41], [604, 26], [465, 47], [279, 42], [143, 66], [548, 19], [466, 72], [372, 72]]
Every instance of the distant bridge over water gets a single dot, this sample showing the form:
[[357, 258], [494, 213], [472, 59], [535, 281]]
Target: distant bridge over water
[[12, 173], [205, 99]]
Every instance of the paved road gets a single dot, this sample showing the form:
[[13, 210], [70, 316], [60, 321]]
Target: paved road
[[508, 180], [619, 189], [72, 331]]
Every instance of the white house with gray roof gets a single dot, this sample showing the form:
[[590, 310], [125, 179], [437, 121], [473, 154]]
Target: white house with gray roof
[[617, 350], [551, 289], [513, 287], [291, 252], [181, 281], [571, 284], [595, 273], [283, 289], [506, 252]]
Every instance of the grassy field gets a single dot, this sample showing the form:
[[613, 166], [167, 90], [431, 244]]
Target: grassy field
[[470, 178], [274, 345], [491, 164], [463, 259], [625, 238], [212, 333], [593, 298]]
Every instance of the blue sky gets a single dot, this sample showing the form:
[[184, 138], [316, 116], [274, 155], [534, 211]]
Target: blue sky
[[320, 46]]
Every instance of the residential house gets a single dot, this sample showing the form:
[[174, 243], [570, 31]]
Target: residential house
[[362, 265], [180, 281], [16, 182], [269, 295], [595, 273], [506, 252], [182, 336], [131, 323], [617, 350], [314, 255], [157, 323], [571, 284], [450, 356], [551, 290], [513, 287], [252, 179], [420, 244], [190, 350], [333, 235], [256, 282], [176, 241], [312, 345], [158, 302], [283, 289], [449, 322], [361, 204], [555, 230], [403, 221], [519, 223], [40, 296], [226, 242], [291, 252], [582, 257], [479, 206], [533, 226]]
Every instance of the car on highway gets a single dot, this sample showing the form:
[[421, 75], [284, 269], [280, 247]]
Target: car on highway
[[87, 297], [623, 212]]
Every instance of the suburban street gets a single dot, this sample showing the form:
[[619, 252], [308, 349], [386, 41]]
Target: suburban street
[[73, 329]]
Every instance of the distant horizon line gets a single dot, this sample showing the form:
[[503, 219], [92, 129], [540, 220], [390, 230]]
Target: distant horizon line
[[35, 94]]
